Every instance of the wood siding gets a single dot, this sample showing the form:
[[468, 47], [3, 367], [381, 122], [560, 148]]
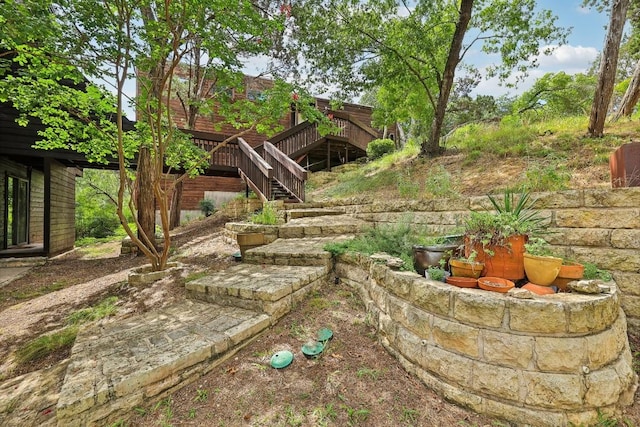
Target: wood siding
[[36, 207], [194, 189], [61, 186]]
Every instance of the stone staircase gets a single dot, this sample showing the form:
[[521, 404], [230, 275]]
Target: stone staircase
[[124, 364]]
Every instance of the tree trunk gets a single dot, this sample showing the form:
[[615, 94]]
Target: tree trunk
[[432, 145], [176, 197], [145, 199], [631, 96], [608, 67]]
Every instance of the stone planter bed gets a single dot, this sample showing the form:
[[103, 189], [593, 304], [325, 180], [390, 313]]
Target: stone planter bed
[[552, 360]]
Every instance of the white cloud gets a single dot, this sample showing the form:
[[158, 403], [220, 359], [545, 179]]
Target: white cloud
[[567, 58]]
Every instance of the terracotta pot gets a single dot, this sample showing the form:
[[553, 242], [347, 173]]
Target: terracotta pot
[[506, 262], [495, 284], [463, 282], [541, 270], [539, 290], [568, 272], [464, 268]]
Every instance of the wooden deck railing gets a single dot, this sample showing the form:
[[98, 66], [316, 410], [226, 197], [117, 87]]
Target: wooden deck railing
[[287, 172], [298, 138], [256, 172]]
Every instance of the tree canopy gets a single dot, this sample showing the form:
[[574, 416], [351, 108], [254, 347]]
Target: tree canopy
[[410, 51]]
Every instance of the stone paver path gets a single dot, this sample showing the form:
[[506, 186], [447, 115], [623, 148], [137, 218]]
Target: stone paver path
[[115, 367]]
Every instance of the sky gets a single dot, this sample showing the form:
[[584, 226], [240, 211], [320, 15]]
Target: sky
[[584, 42]]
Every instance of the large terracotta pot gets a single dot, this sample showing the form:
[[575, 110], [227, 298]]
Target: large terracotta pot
[[541, 270], [506, 262]]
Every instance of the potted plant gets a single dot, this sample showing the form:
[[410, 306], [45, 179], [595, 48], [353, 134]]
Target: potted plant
[[433, 251], [499, 236], [436, 273], [466, 266], [540, 266]]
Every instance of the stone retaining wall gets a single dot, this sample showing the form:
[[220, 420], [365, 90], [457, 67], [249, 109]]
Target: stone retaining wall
[[601, 226], [554, 360]]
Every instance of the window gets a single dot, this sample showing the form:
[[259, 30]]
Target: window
[[17, 210]]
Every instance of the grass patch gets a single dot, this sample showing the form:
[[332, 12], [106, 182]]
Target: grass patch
[[105, 308], [46, 344], [267, 216], [55, 286]]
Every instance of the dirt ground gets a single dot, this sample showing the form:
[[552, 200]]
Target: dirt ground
[[353, 382]]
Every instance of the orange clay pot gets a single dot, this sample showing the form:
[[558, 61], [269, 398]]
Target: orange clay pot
[[506, 262]]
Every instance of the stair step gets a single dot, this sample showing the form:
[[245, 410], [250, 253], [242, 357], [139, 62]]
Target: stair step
[[319, 226], [302, 252], [271, 289], [307, 213], [114, 367]]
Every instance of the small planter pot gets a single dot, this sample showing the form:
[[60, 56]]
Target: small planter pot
[[539, 290], [248, 241], [495, 284], [568, 272], [465, 268], [463, 282], [541, 270]]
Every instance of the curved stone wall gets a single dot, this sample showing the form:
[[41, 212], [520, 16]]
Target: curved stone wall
[[552, 360]]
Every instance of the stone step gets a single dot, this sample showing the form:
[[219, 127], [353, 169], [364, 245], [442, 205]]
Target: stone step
[[307, 213], [118, 366], [271, 289], [321, 226], [303, 252]]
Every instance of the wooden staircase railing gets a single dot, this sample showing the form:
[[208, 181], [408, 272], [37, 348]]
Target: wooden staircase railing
[[301, 138], [254, 170], [288, 173]]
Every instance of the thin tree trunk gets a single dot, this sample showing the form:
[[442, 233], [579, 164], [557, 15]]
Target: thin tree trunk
[[631, 96], [176, 198], [608, 67], [145, 199], [432, 145]]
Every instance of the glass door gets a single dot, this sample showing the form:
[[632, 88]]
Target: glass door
[[17, 211]]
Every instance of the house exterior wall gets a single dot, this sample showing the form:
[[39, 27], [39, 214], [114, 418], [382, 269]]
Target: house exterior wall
[[36, 209], [61, 215]]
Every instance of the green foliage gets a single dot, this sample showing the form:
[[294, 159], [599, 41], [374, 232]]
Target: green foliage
[[46, 344], [436, 273], [372, 45], [439, 183], [550, 177], [379, 147], [557, 94], [508, 139], [396, 240], [95, 214], [267, 216], [591, 272], [512, 216], [207, 207], [538, 246], [105, 308]]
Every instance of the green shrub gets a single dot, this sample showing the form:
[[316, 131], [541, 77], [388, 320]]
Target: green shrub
[[379, 147], [206, 207], [267, 216], [99, 224]]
